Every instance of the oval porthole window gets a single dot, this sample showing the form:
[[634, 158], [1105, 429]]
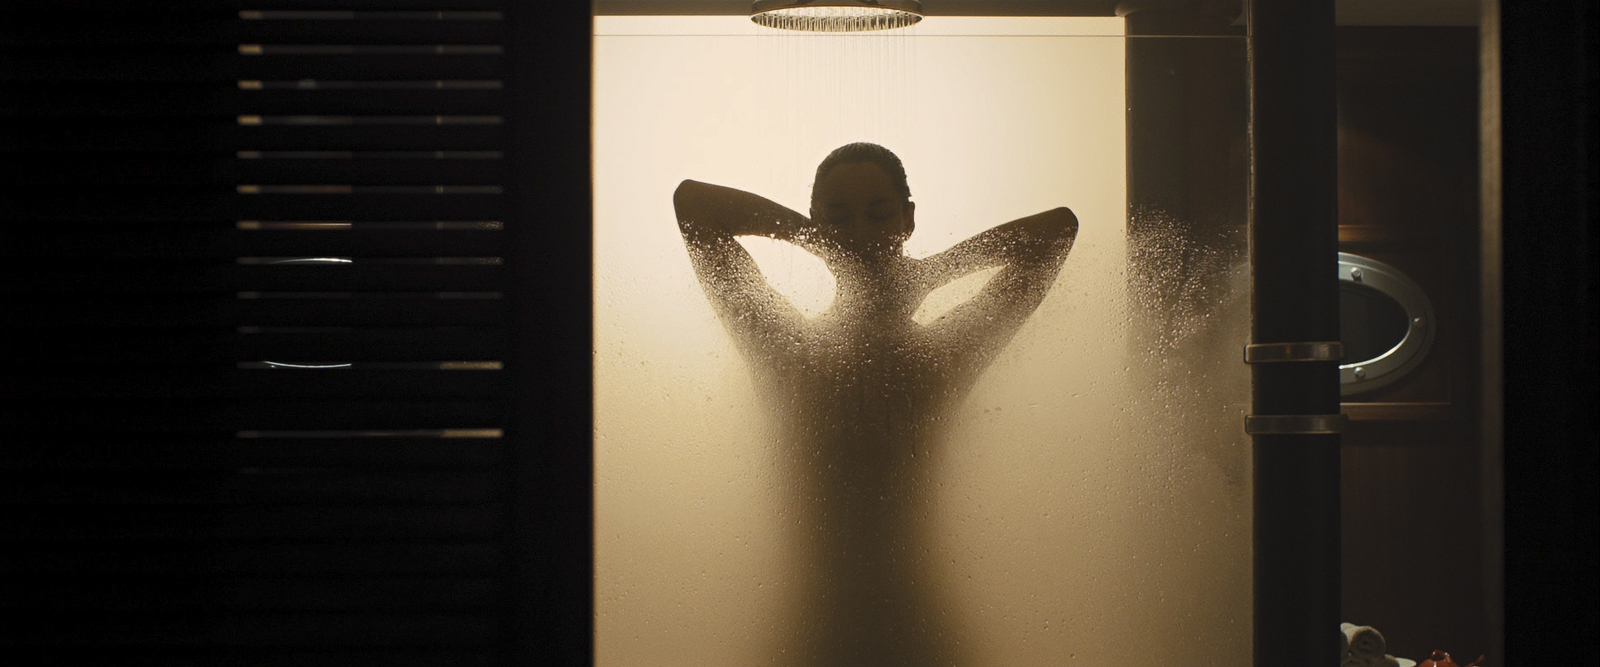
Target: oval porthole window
[[1385, 322]]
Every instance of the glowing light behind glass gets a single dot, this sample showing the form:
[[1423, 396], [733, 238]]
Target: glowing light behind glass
[[1049, 485]]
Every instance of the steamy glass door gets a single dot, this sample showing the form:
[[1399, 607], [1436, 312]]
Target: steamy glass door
[[987, 414]]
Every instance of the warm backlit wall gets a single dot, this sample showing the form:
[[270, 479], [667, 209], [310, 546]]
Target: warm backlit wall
[[1079, 522]]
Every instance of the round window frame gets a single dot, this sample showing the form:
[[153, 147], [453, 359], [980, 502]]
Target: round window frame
[[1364, 375]]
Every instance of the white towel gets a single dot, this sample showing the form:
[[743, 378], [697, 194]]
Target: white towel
[[1366, 646]]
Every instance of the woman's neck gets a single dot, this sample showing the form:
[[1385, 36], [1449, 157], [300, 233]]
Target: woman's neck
[[876, 289]]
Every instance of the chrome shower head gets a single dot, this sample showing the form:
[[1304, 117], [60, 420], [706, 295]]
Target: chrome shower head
[[836, 15]]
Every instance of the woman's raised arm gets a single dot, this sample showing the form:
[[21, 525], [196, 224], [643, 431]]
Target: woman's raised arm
[[704, 208], [1030, 251], [1028, 244], [710, 216]]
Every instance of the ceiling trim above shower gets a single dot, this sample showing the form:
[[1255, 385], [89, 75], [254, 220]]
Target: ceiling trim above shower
[[929, 7], [1348, 12]]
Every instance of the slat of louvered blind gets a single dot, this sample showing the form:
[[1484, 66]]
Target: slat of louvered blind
[[254, 285], [224, 345]]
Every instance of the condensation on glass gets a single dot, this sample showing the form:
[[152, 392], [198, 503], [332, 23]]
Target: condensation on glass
[[1090, 502]]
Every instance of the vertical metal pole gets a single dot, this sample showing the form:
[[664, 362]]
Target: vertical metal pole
[[1294, 245]]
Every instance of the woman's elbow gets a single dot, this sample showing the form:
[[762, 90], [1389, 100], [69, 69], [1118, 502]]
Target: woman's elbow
[[687, 201], [685, 193], [1060, 226], [1063, 220]]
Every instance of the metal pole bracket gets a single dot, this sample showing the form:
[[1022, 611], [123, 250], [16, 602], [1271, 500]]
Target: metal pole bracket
[[1294, 424], [1262, 353]]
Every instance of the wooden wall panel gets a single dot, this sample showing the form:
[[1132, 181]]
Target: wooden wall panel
[[1412, 555]]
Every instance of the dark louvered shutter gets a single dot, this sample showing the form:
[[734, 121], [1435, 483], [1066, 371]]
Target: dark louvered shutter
[[259, 392]]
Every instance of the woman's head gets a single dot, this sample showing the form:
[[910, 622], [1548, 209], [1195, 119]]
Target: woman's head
[[860, 192], [860, 152]]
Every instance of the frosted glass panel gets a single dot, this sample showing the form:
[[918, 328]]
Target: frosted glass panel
[[1085, 501]]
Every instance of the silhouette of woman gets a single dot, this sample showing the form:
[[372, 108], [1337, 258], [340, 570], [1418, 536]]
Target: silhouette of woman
[[860, 391]]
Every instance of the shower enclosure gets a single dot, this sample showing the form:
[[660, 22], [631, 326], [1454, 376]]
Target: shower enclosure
[[1091, 499]]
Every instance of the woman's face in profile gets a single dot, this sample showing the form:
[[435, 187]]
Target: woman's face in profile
[[862, 206]]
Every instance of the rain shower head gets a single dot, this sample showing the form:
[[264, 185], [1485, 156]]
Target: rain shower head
[[836, 15]]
